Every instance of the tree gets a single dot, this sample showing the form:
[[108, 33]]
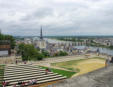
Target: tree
[[111, 47], [45, 53], [61, 53], [40, 56], [29, 52]]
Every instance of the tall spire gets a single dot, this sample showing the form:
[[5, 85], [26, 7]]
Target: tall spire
[[41, 35]]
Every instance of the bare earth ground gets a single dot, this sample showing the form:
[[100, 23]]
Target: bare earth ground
[[48, 61], [84, 66], [89, 65]]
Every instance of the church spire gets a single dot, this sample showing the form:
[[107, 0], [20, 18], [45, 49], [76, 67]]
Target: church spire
[[41, 35]]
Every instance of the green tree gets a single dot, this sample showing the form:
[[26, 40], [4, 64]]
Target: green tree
[[45, 53], [61, 53], [111, 47], [29, 52]]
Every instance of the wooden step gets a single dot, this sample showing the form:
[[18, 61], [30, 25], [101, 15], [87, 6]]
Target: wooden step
[[30, 78], [13, 71], [25, 74], [12, 68], [38, 76]]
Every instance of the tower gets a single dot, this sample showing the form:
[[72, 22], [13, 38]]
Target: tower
[[41, 35]]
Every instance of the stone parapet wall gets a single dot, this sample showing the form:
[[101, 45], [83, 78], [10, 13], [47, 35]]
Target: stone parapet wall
[[8, 60]]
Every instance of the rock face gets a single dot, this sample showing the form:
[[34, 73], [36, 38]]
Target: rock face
[[99, 78]]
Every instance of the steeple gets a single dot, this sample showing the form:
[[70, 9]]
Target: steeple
[[41, 35]]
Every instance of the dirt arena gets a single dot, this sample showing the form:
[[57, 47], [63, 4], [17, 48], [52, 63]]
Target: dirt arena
[[84, 66], [89, 65]]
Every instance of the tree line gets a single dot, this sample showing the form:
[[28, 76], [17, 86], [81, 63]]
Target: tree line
[[29, 52]]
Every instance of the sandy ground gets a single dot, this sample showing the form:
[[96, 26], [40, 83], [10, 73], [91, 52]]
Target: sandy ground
[[89, 65], [84, 66], [47, 61]]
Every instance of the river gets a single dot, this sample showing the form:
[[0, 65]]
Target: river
[[102, 50]]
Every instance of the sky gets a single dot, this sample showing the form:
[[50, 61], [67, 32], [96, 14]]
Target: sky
[[57, 17]]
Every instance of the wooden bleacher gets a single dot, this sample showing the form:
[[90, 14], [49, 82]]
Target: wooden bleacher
[[26, 72]]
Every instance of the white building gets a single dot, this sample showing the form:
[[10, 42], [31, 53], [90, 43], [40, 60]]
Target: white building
[[40, 42]]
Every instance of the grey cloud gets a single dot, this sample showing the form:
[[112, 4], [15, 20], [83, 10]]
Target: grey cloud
[[38, 14], [66, 18]]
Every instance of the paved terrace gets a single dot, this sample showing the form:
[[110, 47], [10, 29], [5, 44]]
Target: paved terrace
[[99, 78]]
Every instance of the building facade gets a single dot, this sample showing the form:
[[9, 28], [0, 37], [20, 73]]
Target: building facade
[[5, 49]]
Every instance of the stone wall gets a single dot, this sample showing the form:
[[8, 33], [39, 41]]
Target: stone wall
[[8, 60]]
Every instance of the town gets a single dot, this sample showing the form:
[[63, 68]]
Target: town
[[49, 52], [56, 43]]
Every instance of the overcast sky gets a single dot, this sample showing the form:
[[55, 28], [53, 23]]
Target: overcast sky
[[57, 17]]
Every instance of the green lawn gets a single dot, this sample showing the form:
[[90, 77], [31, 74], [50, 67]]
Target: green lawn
[[98, 58], [68, 64], [1, 74], [68, 74]]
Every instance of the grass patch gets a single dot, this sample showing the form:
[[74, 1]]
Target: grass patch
[[1, 74], [68, 74], [67, 64], [99, 58]]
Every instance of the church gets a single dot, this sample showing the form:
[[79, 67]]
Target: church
[[40, 43]]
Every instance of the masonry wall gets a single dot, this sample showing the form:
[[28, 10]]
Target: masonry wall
[[8, 60]]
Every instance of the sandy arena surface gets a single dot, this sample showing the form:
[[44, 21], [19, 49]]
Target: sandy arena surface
[[89, 65], [84, 66]]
